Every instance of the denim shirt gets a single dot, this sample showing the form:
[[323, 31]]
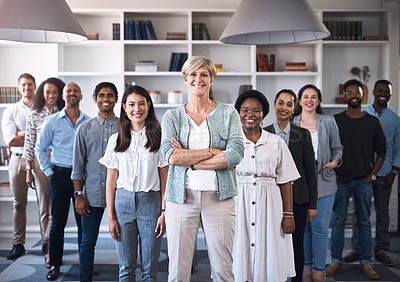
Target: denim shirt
[[58, 134], [90, 144], [225, 134], [391, 126]]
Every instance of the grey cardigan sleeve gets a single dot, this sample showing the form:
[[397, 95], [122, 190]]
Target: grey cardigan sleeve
[[168, 131]]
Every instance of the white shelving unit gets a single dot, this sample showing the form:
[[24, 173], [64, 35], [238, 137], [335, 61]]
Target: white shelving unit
[[94, 61]]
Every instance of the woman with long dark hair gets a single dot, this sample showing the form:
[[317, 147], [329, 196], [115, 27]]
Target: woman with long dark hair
[[48, 100], [136, 179], [328, 154]]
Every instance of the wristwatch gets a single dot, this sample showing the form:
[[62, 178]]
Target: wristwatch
[[373, 177], [77, 193]]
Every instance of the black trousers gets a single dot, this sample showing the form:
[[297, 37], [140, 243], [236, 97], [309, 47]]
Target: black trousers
[[61, 193], [300, 218]]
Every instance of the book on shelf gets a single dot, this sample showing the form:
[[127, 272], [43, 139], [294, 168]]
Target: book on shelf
[[146, 66], [176, 61], [344, 30], [375, 37], [116, 31], [262, 62], [296, 67], [200, 32], [176, 35], [139, 30], [219, 68], [9, 95], [244, 87], [92, 35]]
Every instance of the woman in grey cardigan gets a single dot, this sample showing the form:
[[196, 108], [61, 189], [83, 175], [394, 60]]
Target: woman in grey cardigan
[[328, 151], [202, 142]]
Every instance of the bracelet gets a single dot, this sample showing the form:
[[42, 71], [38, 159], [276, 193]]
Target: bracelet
[[211, 151], [192, 167], [162, 210], [289, 216], [289, 213]]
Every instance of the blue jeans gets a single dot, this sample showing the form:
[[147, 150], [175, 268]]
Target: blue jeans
[[362, 193], [316, 236], [90, 233], [137, 215], [381, 201], [61, 193]]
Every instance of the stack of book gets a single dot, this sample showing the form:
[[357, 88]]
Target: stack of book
[[344, 30], [116, 31], [139, 30], [4, 155], [295, 66], [200, 32], [146, 66], [176, 61], [176, 36], [92, 35], [219, 68], [9, 95]]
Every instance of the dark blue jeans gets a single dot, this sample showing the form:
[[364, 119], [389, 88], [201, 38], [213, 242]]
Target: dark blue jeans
[[61, 193], [362, 193], [90, 233]]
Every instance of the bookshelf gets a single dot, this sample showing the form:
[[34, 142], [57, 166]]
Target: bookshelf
[[93, 61]]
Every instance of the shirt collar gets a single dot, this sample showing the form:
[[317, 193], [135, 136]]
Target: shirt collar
[[101, 120], [278, 130]]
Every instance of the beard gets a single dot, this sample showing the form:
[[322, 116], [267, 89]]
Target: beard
[[354, 105]]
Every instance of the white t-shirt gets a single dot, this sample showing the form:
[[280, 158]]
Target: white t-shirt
[[137, 166], [315, 140], [200, 179]]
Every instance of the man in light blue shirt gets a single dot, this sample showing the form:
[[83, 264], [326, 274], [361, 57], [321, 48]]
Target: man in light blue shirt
[[382, 185], [58, 134], [89, 176]]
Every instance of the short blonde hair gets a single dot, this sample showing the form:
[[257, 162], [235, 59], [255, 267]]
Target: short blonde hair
[[196, 62]]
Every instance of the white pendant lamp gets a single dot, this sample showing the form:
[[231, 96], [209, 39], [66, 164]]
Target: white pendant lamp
[[264, 22], [39, 21]]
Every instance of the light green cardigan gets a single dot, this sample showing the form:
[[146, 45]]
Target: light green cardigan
[[225, 134]]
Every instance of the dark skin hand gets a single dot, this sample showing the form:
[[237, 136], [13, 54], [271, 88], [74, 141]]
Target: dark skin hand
[[388, 181], [82, 206]]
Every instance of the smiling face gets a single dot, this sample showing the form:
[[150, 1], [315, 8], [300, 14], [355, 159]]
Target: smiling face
[[284, 107], [382, 94], [251, 114], [199, 82], [26, 87], [309, 100], [353, 95], [137, 109], [106, 100], [72, 94], [50, 94]]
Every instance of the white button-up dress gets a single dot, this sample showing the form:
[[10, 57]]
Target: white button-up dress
[[261, 251]]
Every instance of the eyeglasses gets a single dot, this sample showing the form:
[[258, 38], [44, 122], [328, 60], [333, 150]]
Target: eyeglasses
[[348, 93]]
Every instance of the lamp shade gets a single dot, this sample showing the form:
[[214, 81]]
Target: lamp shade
[[266, 22], [40, 21]]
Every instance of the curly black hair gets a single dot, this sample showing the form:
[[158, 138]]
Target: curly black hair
[[256, 95]]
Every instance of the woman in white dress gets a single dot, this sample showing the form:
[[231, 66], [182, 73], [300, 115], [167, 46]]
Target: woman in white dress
[[262, 248]]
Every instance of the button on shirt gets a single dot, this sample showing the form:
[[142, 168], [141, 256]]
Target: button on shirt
[[58, 134], [14, 119], [391, 126], [90, 145], [137, 166], [284, 134]]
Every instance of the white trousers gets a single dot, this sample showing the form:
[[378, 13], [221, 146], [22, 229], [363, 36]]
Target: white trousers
[[218, 223]]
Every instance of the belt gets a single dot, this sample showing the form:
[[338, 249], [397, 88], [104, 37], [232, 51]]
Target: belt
[[60, 168], [17, 154]]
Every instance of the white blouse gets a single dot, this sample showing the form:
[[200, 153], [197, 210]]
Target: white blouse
[[137, 166], [200, 179]]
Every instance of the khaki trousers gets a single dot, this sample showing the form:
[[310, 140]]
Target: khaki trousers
[[42, 189], [218, 222], [17, 174]]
